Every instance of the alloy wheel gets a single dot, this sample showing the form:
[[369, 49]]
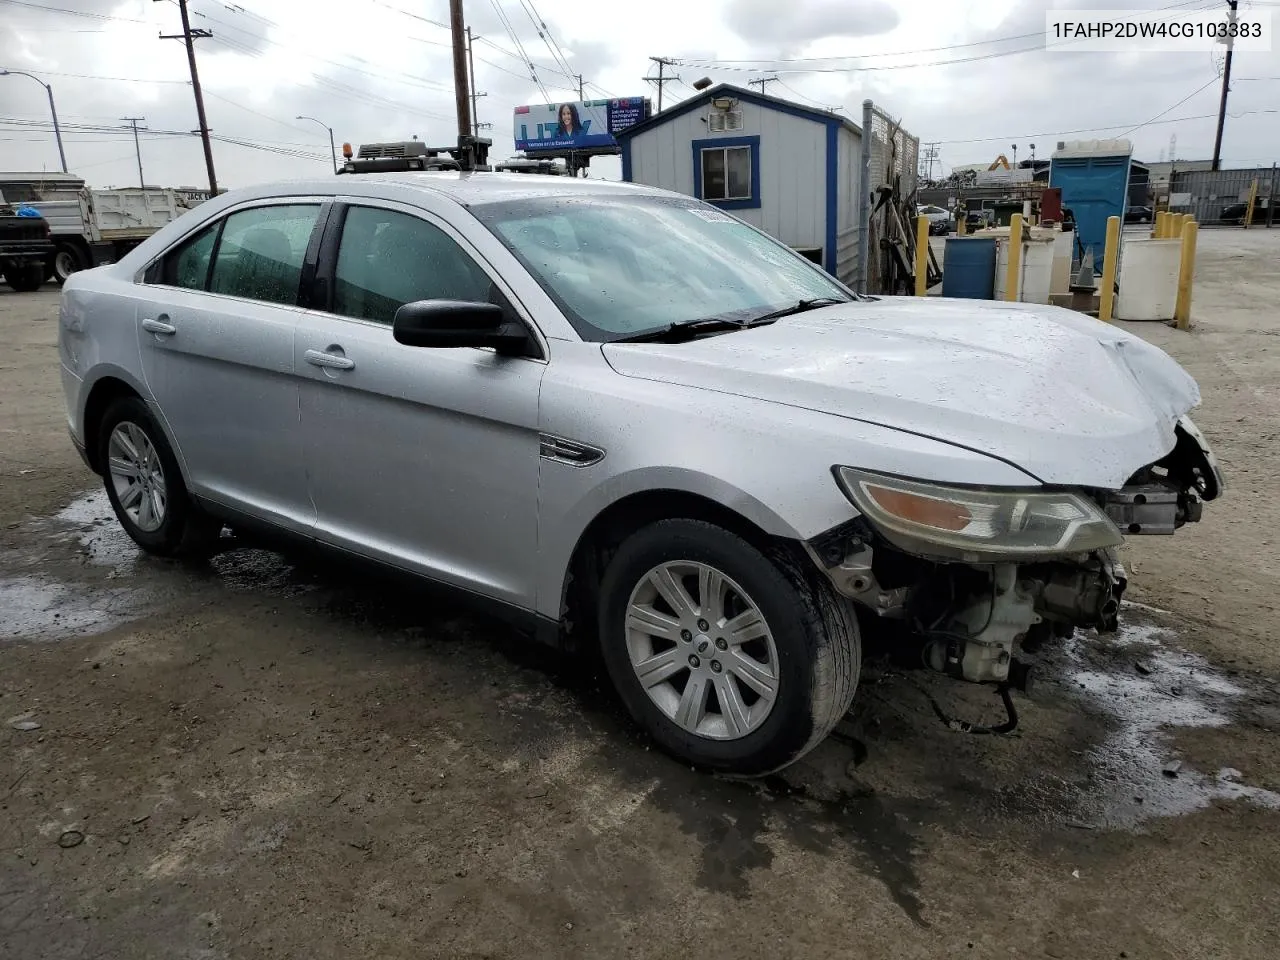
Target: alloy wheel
[[702, 650], [137, 476]]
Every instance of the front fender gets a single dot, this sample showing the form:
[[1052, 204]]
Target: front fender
[[769, 463]]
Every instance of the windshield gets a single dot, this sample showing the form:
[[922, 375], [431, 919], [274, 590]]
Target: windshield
[[618, 266]]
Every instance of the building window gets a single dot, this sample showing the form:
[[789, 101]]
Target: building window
[[726, 171]]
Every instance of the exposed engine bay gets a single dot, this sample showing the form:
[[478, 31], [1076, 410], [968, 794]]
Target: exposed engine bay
[[972, 619]]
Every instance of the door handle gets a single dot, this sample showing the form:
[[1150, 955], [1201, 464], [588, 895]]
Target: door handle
[[320, 358], [159, 326]]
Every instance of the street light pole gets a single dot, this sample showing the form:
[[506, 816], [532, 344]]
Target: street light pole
[[57, 130], [333, 153]]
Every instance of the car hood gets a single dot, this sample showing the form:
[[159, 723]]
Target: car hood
[[1066, 398]]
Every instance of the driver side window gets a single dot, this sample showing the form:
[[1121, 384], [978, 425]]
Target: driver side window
[[387, 259]]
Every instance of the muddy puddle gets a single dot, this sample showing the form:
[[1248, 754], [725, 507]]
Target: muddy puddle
[[1149, 688]]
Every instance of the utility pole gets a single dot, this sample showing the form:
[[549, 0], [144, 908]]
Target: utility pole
[[475, 94], [660, 79], [133, 122], [189, 37], [1226, 85], [762, 81], [928, 154], [461, 82], [581, 96]]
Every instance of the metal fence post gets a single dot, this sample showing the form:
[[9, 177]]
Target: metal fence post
[[864, 200]]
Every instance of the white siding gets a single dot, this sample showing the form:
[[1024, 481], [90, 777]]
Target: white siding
[[793, 173], [848, 177]]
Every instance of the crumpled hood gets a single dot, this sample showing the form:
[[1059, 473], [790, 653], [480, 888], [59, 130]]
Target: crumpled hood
[[1065, 397]]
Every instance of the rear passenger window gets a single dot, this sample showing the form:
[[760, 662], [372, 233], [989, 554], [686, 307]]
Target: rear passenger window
[[188, 266], [386, 259], [261, 252]]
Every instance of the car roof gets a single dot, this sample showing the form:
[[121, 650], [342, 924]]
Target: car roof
[[467, 189]]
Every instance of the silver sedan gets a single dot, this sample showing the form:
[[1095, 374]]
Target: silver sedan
[[632, 423]]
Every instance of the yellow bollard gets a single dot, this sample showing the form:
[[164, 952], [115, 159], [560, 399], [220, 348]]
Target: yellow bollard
[[1110, 256], [922, 256], [1015, 258], [1162, 225], [1186, 272], [962, 226], [1253, 198], [1156, 224]]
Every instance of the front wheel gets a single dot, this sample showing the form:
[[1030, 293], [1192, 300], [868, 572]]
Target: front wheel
[[731, 659], [144, 484]]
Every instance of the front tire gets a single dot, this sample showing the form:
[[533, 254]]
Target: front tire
[[145, 487], [732, 660]]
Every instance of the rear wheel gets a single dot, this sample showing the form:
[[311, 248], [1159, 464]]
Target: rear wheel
[[67, 259], [25, 277], [145, 486], [731, 659]]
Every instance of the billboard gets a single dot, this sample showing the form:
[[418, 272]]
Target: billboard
[[576, 125]]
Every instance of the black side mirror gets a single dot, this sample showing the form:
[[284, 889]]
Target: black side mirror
[[458, 323]]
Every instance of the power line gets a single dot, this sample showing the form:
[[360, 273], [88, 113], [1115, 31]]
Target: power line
[[1168, 109], [524, 55], [73, 13], [397, 78], [540, 27]]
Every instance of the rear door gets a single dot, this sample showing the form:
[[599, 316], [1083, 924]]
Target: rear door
[[216, 334], [426, 458]]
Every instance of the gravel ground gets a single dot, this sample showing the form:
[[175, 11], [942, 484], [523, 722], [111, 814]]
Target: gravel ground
[[273, 755]]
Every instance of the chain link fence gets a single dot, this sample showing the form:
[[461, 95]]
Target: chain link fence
[[890, 158]]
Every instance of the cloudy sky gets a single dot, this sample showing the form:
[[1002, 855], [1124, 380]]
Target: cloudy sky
[[973, 77]]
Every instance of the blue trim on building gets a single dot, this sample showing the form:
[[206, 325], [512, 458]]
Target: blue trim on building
[[715, 143], [747, 96], [626, 160], [833, 195]]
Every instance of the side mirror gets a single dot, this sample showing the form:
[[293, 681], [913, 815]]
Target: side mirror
[[458, 323]]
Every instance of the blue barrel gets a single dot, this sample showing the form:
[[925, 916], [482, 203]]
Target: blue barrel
[[969, 268]]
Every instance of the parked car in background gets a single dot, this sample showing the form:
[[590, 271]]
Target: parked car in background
[[1234, 213], [24, 247], [626, 419], [1138, 215], [940, 220]]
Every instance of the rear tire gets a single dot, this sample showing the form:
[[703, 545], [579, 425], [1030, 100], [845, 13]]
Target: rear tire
[[25, 277], [751, 666], [67, 259], [145, 486]]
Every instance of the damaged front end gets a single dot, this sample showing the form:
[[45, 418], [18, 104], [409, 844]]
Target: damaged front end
[[977, 575]]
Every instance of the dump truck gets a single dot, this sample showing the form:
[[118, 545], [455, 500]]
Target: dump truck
[[90, 227]]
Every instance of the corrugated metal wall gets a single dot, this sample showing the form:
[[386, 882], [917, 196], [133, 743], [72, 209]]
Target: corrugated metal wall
[[1205, 193]]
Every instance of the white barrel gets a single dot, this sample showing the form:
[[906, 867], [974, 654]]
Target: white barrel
[[1034, 272], [1148, 279], [1064, 242]]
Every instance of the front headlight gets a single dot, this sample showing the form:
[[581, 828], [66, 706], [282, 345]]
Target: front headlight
[[977, 525]]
